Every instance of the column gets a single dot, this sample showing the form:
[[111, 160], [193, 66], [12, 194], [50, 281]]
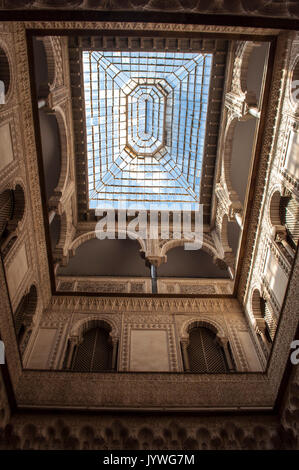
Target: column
[[154, 279], [184, 346], [51, 215], [224, 344], [231, 272], [260, 331], [72, 344], [279, 233], [114, 353]]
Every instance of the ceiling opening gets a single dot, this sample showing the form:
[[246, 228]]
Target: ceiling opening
[[145, 115]]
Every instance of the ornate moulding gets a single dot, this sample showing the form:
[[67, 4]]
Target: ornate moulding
[[143, 431], [104, 284], [141, 26], [33, 197], [148, 390], [275, 178], [142, 304], [148, 323], [271, 132]]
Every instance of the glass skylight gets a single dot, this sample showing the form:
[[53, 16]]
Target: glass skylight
[[145, 123]]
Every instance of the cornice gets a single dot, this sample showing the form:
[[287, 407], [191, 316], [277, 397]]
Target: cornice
[[142, 26], [165, 306]]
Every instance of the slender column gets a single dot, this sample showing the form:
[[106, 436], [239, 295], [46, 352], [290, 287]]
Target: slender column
[[231, 272], [154, 279], [51, 215], [25, 339], [224, 343], [114, 353], [260, 330], [280, 235], [228, 358], [184, 346], [72, 344]]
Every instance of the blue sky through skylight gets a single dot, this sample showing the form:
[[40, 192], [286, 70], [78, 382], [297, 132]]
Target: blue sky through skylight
[[145, 124]]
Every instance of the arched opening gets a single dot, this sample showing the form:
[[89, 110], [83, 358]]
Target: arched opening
[[284, 212], [270, 322], [51, 151], [23, 316], [289, 216], [274, 209], [265, 322], [6, 209], [190, 263], [19, 203], [294, 92], [4, 74], [117, 258], [256, 304], [241, 156], [94, 353], [204, 352], [12, 208]]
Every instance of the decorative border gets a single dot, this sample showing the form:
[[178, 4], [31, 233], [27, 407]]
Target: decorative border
[[142, 26], [181, 305], [144, 323]]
